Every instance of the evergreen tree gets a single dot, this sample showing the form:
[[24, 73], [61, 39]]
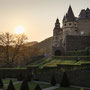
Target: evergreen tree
[[53, 81], [24, 85], [11, 86], [65, 81], [37, 87], [1, 83]]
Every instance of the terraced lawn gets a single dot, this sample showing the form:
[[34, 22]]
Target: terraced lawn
[[52, 62]]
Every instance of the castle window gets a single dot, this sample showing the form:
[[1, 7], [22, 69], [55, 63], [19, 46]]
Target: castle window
[[75, 24], [69, 23], [64, 24]]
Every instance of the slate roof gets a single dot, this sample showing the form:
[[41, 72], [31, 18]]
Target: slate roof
[[57, 21], [84, 14], [69, 15]]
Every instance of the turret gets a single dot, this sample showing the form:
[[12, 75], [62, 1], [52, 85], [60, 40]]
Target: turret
[[57, 29], [70, 24], [57, 24], [57, 38]]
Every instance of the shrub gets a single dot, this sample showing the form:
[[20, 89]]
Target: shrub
[[37, 87], [24, 85], [53, 81], [65, 81], [1, 83], [11, 86]]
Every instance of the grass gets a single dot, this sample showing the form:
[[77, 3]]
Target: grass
[[31, 85], [61, 88], [40, 63], [53, 62], [6, 81]]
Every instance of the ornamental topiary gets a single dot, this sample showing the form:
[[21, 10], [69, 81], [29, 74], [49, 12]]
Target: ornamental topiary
[[24, 85], [11, 86], [37, 87], [53, 81], [65, 81], [1, 83]]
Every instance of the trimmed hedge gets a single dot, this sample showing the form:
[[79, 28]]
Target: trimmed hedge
[[24, 85], [12, 73], [79, 52], [72, 57]]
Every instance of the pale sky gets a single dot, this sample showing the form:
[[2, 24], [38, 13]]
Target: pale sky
[[36, 16]]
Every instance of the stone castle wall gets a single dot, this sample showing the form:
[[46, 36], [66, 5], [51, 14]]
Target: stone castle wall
[[84, 26], [77, 43]]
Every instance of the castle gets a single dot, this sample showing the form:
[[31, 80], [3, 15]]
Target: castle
[[74, 33]]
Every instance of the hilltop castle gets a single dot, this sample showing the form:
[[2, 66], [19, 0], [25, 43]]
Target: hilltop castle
[[74, 33]]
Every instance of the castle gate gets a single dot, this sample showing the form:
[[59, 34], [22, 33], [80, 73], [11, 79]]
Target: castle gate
[[57, 53]]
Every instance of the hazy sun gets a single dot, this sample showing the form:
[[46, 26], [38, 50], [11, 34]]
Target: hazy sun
[[19, 30]]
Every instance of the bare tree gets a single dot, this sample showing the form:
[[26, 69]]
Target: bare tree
[[12, 44]]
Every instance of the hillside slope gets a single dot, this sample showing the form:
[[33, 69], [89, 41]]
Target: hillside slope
[[45, 46]]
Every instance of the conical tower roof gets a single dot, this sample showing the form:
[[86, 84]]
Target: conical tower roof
[[57, 21], [70, 15]]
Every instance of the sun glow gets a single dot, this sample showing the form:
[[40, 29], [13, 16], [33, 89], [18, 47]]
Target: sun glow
[[19, 30]]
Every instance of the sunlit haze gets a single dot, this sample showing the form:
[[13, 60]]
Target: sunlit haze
[[19, 30], [37, 17]]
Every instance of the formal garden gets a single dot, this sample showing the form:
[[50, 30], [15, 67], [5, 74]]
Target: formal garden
[[26, 83]]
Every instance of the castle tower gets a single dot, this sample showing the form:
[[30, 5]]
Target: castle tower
[[70, 24], [57, 39], [84, 22]]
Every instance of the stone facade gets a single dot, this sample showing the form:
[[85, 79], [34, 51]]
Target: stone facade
[[74, 33], [74, 43]]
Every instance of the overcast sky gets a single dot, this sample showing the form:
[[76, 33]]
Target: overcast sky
[[36, 16]]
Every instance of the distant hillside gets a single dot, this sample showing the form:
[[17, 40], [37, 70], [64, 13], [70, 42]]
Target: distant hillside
[[45, 46], [31, 43]]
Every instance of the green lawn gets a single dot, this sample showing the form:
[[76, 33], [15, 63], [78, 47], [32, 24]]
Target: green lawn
[[53, 62], [6, 81], [61, 88], [31, 85]]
